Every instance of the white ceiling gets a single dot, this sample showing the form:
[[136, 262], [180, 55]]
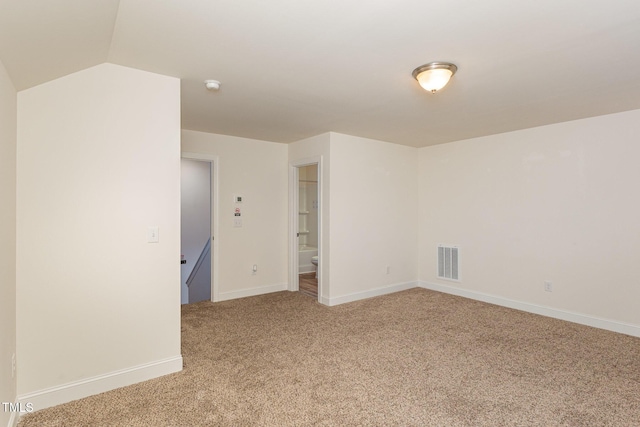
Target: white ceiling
[[291, 69]]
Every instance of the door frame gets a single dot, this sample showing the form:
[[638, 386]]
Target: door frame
[[294, 197], [213, 160]]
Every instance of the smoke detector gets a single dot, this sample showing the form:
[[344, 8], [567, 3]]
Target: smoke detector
[[212, 84]]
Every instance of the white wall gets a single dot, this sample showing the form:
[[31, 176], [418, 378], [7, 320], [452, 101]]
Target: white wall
[[7, 239], [98, 162], [195, 200], [555, 203], [374, 204], [257, 170]]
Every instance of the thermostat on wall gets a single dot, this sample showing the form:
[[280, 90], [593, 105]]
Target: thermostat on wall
[[237, 199]]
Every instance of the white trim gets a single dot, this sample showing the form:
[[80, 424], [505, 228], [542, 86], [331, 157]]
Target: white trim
[[596, 322], [370, 293], [293, 229], [213, 159], [13, 419], [99, 384], [321, 259], [225, 296], [307, 268]]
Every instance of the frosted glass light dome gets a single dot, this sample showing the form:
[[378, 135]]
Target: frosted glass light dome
[[434, 75]]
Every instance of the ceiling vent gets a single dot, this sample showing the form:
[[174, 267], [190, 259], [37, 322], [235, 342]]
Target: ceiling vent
[[448, 262]]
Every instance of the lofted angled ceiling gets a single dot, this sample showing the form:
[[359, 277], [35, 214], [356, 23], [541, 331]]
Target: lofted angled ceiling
[[292, 69]]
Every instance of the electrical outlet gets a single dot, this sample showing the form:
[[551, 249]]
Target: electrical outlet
[[13, 365], [548, 286], [254, 269], [388, 269]]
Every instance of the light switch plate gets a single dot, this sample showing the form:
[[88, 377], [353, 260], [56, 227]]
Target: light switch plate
[[153, 234]]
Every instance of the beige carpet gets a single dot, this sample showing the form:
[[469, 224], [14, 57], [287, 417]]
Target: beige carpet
[[414, 358]]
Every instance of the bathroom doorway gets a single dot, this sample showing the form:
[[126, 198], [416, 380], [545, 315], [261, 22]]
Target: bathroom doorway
[[197, 231], [308, 230], [305, 207]]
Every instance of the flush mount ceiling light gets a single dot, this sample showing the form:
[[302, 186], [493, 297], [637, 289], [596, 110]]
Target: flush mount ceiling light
[[212, 84], [434, 75]]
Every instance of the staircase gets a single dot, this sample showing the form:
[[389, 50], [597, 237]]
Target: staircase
[[199, 281]]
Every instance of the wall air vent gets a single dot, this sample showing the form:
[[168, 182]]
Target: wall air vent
[[448, 262]]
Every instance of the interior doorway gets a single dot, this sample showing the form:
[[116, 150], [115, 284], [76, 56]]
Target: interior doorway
[[306, 228], [197, 242]]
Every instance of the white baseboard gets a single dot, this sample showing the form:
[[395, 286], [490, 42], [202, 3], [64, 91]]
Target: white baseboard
[[13, 420], [224, 296], [369, 294], [610, 325], [78, 389], [307, 268]]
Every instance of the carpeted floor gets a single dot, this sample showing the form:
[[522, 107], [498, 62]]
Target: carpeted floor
[[414, 358]]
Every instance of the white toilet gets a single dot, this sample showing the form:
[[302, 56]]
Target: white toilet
[[314, 261]]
